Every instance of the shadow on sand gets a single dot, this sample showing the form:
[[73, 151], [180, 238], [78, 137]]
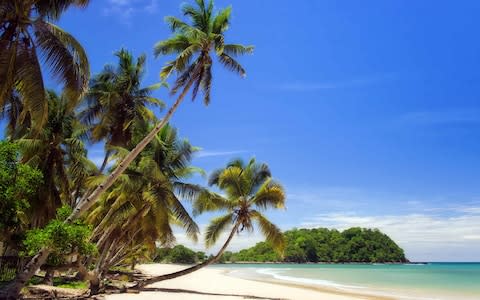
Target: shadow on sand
[[165, 290]]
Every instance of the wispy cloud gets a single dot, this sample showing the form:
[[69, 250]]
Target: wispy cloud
[[425, 237], [125, 10], [309, 86], [205, 153], [441, 117]]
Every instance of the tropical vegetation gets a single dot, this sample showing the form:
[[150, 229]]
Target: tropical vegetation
[[248, 190], [60, 211], [178, 255], [359, 245], [63, 211], [353, 245], [27, 32]]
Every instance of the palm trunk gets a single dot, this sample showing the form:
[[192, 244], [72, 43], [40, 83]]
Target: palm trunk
[[105, 161], [12, 291], [84, 204], [194, 268], [96, 278]]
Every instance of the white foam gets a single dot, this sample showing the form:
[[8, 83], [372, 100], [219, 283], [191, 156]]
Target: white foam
[[275, 274]]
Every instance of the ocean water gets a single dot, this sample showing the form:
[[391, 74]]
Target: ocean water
[[442, 281]]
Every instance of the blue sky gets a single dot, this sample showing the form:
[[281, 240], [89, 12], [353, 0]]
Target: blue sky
[[367, 111]]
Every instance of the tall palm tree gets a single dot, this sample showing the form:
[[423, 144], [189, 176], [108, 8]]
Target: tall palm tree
[[26, 32], [143, 204], [249, 189], [206, 28], [60, 154], [117, 103], [205, 35]]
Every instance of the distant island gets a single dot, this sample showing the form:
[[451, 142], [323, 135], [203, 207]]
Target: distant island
[[354, 245]]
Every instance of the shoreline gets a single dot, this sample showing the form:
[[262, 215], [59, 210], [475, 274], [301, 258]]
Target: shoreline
[[319, 263], [217, 284], [324, 289]]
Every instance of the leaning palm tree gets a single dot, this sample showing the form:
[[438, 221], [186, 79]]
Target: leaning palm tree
[[117, 103], [193, 64], [139, 211], [202, 38], [249, 189], [26, 33]]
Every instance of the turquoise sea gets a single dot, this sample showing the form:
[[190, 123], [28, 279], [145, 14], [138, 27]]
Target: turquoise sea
[[459, 281]]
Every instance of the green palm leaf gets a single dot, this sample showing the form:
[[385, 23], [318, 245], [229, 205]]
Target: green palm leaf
[[272, 233], [216, 227], [65, 56]]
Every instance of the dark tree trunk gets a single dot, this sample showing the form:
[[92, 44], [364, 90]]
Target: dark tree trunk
[[105, 161], [12, 290], [134, 262], [95, 284], [49, 275]]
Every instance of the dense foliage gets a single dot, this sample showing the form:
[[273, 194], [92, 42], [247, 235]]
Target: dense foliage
[[67, 213], [62, 238], [324, 245], [17, 183], [178, 255]]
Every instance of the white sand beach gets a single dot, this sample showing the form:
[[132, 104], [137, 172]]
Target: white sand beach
[[214, 284]]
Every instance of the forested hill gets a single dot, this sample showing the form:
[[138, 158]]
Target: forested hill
[[324, 245]]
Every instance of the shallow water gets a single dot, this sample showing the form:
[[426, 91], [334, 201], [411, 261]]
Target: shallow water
[[406, 281]]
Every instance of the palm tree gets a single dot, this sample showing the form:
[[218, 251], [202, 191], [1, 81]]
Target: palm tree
[[206, 29], [205, 35], [249, 189], [26, 33], [60, 154], [117, 103], [139, 211]]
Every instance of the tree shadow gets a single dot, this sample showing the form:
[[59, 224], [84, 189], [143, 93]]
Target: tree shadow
[[204, 293]]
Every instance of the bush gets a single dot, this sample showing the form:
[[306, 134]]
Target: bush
[[177, 255]]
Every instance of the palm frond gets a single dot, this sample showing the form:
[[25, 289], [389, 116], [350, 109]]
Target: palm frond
[[222, 20], [180, 213], [54, 9], [209, 201], [8, 56], [232, 181], [206, 83], [183, 59], [269, 195], [29, 84], [67, 60], [231, 64], [176, 24], [237, 49], [187, 191], [216, 227], [272, 233], [173, 45]]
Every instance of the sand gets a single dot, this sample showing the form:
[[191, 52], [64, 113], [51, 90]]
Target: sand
[[214, 284]]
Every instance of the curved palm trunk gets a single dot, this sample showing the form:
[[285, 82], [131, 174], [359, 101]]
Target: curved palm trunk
[[13, 290], [194, 268]]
